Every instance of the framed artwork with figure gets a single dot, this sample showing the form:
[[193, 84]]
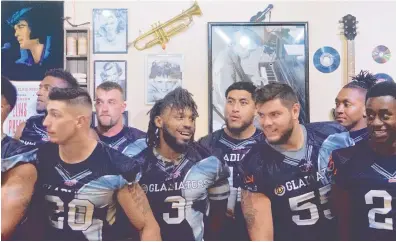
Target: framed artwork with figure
[[31, 38], [110, 30], [111, 70], [164, 73], [259, 53]]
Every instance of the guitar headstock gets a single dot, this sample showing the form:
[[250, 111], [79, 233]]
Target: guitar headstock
[[349, 26]]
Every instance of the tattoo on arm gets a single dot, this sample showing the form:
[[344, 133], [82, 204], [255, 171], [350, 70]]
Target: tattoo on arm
[[139, 198], [249, 212]]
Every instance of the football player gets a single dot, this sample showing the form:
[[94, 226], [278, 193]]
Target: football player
[[18, 176], [110, 106], [180, 177], [32, 132], [286, 196], [364, 192], [81, 179], [350, 109], [231, 144]]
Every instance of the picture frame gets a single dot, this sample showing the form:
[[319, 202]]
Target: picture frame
[[17, 61], [111, 70], [260, 53], [164, 73], [94, 122], [110, 30]]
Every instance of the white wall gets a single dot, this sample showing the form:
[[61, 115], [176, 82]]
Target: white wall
[[376, 27]]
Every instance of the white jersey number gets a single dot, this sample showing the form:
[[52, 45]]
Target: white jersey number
[[178, 203], [388, 223], [79, 216], [300, 203]]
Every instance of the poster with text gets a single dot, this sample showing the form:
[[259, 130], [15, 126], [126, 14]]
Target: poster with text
[[25, 106]]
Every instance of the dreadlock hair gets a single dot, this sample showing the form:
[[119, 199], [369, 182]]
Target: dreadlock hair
[[179, 99], [364, 80]]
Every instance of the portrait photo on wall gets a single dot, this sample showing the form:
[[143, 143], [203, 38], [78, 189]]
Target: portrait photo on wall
[[31, 38], [164, 73], [111, 70], [94, 122], [259, 53], [110, 31]]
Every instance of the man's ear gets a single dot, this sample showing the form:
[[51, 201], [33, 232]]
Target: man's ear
[[83, 120], [124, 106], [158, 122], [296, 111]]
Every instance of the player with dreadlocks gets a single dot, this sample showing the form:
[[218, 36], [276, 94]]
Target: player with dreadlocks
[[350, 109], [350, 112], [181, 178]]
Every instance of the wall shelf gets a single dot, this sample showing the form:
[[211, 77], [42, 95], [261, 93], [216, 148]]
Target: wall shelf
[[78, 64]]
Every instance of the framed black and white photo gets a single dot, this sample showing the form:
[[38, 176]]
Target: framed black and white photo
[[95, 120], [111, 70], [164, 73], [110, 30], [259, 53]]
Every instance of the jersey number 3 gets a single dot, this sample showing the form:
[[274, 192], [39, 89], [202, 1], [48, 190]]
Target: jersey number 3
[[388, 223], [179, 203]]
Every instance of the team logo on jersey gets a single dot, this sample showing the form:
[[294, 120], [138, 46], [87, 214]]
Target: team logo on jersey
[[249, 179], [71, 180], [306, 166], [144, 188], [280, 190]]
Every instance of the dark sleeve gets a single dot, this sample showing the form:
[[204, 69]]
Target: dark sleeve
[[341, 170], [254, 179], [205, 142], [129, 168]]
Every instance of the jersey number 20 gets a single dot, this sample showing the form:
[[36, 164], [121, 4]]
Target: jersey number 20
[[79, 217]]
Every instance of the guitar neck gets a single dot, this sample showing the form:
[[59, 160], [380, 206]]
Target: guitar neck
[[351, 60]]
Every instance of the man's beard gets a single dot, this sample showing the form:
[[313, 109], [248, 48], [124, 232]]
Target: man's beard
[[238, 130], [284, 138], [172, 142], [111, 124]]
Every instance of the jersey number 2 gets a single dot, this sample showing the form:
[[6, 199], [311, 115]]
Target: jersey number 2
[[388, 223]]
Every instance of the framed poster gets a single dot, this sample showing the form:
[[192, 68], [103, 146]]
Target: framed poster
[[94, 122], [258, 53], [164, 73], [25, 106], [111, 70], [31, 38], [110, 30]]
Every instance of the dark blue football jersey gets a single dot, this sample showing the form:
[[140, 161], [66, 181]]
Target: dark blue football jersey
[[297, 189], [179, 194], [370, 180], [334, 142], [35, 132], [129, 141], [81, 198], [14, 152], [231, 152]]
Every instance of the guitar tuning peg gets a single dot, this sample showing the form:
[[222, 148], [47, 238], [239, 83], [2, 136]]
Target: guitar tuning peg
[[357, 22], [340, 21]]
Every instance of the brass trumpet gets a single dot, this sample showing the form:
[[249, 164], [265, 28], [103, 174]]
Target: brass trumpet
[[161, 33]]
